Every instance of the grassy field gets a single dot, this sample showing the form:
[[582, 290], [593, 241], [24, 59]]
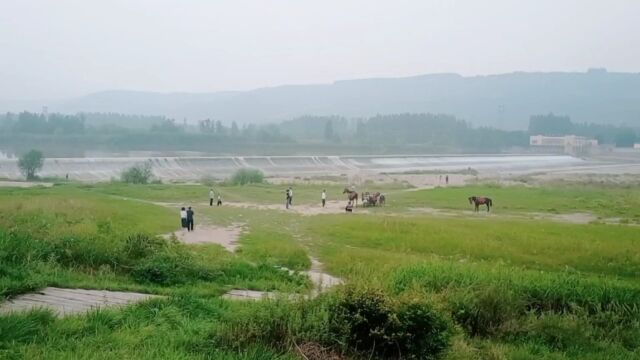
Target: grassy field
[[604, 200], [481, 287]]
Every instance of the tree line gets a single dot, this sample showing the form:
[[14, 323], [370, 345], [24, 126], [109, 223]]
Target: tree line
[[426, 132]]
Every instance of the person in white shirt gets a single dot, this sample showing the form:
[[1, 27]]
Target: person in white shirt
[[290, 198], [324, 197], [211, 196], [183, 218]]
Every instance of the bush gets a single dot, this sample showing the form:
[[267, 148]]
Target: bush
[[247, 176], [371, 323], [138, 174], [361, 322], [30, 163]]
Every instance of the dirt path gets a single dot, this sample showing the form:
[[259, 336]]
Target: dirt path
[[225, 236], [23, 184], [570, 218]]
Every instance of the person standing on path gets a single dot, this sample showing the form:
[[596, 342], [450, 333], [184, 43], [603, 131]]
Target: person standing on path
[[219, 200], [190, 213], [324, 197], [286, 201], [290, 196], [211, 195], [183, 218], [446, 179]]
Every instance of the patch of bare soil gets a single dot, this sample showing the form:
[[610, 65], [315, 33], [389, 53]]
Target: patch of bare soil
[[23, 184], [331, 207], [571, 218], [315, 351], [226, 236]]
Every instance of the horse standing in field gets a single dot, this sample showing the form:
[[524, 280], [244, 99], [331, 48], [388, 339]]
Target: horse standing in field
[[351, 195], [481, 200], [381, 200]]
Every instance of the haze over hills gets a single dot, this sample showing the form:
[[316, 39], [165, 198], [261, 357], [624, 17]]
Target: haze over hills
[[504, 101]]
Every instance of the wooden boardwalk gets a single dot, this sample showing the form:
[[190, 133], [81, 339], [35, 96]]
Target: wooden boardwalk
[[65, 302]]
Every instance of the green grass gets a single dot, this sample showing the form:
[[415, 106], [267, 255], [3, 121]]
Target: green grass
[[598, 249], [250, 193], [605, 200], [512, 288]]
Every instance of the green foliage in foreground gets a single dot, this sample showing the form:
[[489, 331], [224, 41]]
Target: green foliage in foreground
[[482, 287]]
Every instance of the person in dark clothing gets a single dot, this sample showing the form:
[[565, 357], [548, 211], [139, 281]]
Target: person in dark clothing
[[190, 213], [287, 201], [349, 207], [219, 200], [446, 179]]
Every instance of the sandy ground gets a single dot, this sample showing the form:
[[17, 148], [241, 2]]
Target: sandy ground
[[572, 218], [23, 184], [332, 207], [227, 236]]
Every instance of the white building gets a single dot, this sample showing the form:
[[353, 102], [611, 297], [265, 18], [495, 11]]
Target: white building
[[570, 144]]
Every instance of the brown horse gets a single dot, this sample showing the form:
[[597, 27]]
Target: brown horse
[[481, 200], [351, 195]]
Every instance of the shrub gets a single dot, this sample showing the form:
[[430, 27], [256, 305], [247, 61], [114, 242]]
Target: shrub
[[138, 174], [30, 163], [369, 322], [361, 322], [247, 176]]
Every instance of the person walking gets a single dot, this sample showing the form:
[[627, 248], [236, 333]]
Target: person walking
[[290, 196], [183, 218], [190, 213], [324, 197], [211, 196], [219, 200]]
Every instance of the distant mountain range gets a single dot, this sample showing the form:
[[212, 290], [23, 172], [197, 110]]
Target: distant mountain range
[[504, 101]]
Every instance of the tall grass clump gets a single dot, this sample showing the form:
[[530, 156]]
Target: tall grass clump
[[247, 176], [357, 322], [482, 299]]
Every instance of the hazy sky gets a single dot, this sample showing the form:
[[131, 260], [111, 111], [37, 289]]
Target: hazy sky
[[61, 48]]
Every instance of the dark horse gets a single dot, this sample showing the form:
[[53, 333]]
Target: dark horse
[[351, 195], [481, 200]]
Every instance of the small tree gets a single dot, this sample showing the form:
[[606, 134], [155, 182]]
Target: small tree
[[138, 174], [30, 163]]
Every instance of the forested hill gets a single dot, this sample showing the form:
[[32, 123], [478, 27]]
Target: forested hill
[[504, 101]]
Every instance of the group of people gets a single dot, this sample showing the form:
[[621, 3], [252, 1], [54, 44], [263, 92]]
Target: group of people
[[212, 196], [289, 197], [186, 218]]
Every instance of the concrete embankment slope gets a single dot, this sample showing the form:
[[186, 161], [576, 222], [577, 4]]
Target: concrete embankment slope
[[195, 168]]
